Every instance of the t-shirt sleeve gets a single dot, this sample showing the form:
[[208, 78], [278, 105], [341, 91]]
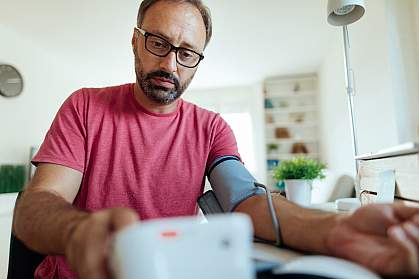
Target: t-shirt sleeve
[[223, 141], [65, 142]]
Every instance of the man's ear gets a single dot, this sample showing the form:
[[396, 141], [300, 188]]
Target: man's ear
[[134, 42]]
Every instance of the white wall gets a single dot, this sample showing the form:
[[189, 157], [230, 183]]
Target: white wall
[[415, 10], [40, 38], [49, 77], [245, 99], [416, 14], [20, 116], [383, 56], [335, 132], [402, 47]]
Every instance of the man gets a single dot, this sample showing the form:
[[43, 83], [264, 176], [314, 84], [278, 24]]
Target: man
[[137, 151]]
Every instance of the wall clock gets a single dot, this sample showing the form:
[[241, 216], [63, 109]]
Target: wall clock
[[11, 82]]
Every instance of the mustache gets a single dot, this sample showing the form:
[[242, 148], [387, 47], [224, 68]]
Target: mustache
[[165, 75]]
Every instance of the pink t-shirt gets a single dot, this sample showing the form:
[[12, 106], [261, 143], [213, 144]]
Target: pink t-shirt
[[130, 157]]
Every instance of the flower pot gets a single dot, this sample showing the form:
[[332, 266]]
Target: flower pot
[[298, 191]]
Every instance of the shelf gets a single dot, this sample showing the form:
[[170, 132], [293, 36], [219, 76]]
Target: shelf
[[291, 94], [291, 140], [291, 124], [283, 79], [270, 173], [290, 109], [286, 156]]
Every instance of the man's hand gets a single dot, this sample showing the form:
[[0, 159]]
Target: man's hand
[[384, 238], [88, 244]]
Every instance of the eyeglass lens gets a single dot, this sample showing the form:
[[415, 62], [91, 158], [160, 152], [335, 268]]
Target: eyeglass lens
[[161, 47]]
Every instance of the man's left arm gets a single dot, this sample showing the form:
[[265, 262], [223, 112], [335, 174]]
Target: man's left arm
[[301, 228], [384, 238], [237, 190]]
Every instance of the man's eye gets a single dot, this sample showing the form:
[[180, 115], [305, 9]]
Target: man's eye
[[186, 54], [157, 44]]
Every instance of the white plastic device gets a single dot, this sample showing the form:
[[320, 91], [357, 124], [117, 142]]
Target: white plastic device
[[347, 204], [186, 248], [329, 267]]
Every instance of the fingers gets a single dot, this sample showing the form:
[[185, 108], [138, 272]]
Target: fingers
[[412, 231], [411, 228], [88, 248], [408, 246], [374, 218], [377, 218], [85, 250], [405, 212], [108, 222], [406, 235], [122, 217], [94, 265]]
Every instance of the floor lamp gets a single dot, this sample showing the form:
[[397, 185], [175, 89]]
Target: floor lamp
[[342, 13]]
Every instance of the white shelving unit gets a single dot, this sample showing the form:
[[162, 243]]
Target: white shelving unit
[[291, 120]]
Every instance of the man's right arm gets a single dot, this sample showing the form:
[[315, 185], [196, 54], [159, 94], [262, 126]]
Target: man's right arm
[[44, 215], [46, 221]]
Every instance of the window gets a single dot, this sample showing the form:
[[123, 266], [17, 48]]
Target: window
[[241, 124]]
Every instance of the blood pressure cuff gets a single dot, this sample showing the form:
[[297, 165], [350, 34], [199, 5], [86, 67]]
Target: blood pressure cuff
[[231, 182]]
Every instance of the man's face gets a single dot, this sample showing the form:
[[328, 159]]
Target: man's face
[[162, 79]]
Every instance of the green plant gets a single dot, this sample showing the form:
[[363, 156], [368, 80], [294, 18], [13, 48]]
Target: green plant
[[12, 178], [272, 147], [299, 168]]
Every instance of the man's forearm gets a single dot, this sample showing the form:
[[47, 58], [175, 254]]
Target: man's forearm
[[44, 220], [301, 228]]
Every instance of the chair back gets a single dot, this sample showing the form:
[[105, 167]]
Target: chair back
[[22, 260]]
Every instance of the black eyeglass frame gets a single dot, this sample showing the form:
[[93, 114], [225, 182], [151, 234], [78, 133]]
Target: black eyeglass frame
[[172, 48]]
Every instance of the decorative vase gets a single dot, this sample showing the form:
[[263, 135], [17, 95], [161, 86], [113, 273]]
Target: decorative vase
[[298, 191]]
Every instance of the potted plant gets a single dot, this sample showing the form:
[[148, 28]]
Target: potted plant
[[298, 175], [273, 148]]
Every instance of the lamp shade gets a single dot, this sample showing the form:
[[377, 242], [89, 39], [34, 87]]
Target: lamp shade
[[344, 12]]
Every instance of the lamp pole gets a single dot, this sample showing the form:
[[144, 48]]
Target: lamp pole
[[350, 90], [342, 13]]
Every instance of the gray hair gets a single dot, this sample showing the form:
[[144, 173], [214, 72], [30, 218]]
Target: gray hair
[[205, 13]]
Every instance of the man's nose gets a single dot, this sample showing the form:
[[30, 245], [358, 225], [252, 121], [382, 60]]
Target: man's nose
[[169, 62]]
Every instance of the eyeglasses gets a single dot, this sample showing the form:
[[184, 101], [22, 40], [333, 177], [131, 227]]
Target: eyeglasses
[[160, 47]]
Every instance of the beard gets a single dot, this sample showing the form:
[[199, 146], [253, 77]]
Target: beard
[[159, 94]]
